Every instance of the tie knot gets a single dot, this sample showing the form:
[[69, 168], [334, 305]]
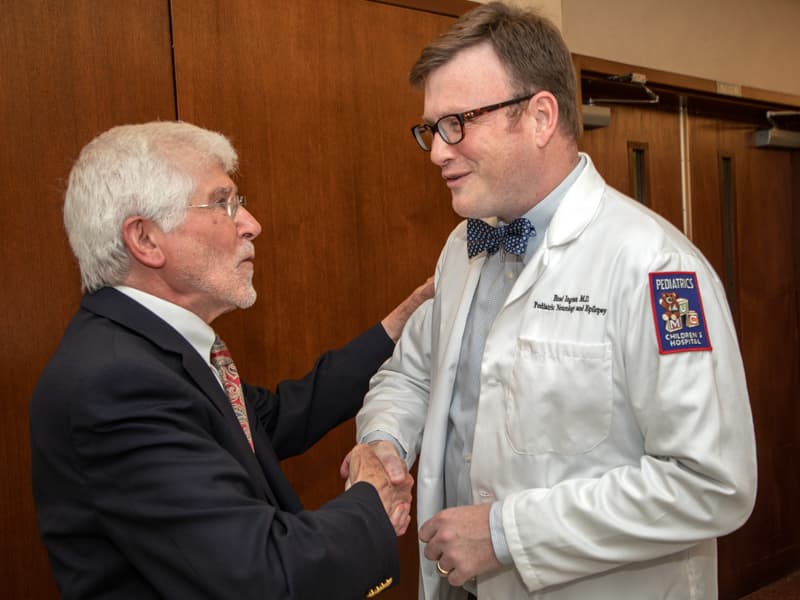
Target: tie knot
[[220, 355], [513, 238]]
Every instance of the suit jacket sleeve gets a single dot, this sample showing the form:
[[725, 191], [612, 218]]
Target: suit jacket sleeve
[[301, 411]]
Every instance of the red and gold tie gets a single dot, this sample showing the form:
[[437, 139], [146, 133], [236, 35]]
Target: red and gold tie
[[223, 363]]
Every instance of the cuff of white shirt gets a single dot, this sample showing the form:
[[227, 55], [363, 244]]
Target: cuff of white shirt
[[498, 534], [374, 436]]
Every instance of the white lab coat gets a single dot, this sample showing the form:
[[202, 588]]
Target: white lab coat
[[618, 466]]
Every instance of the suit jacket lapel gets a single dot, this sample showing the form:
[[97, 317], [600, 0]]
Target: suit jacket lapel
[[121, 309]]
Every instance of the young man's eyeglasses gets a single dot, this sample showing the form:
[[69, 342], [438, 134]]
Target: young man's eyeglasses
[[451, 127]]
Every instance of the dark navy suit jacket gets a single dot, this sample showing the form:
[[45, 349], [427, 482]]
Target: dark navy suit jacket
[[145, 486]]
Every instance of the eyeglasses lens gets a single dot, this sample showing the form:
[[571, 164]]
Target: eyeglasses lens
[[424, 136], [450, 129]]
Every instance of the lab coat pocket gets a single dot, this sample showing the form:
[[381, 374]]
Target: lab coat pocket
[[560, 397]]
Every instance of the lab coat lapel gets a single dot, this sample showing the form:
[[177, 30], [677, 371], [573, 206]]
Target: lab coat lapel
[[459, 280], [576, 211], [453, 320]]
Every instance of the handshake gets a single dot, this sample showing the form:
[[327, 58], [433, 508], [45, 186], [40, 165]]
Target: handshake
[[457, 540], [379, 464]]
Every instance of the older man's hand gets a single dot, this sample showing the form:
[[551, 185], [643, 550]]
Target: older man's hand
[[393, 482]]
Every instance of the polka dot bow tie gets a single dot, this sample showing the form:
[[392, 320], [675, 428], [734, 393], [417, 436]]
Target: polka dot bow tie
[[513, 238]]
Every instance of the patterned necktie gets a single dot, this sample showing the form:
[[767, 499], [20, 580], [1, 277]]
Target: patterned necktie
[[512, 237], [223, 363]]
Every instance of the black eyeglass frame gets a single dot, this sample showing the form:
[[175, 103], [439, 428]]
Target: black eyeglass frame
[[462, 117]]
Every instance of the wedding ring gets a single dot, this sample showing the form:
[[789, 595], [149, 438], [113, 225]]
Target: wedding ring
[[442, 572]]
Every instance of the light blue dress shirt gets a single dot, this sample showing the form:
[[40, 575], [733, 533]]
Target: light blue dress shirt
[[498, 276]]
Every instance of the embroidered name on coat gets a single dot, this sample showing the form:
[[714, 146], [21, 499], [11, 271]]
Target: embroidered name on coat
[[678, 312], [570, 303]]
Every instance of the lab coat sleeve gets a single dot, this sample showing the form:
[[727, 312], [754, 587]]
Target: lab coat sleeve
[[397, 401], [697, 476]]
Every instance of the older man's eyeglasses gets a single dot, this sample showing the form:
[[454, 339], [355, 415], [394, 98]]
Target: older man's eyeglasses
[[451, 127], [230, 204]]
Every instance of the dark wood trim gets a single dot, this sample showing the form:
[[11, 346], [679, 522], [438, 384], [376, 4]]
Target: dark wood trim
[[796, 220], [447, 8], [696, 87], [728, 221], [639, 172]]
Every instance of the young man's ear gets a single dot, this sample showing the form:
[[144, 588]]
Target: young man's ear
[[142, 238], [544, 108]]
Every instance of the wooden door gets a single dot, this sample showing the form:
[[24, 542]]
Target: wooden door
[[744, 220], [315, 97], [741, 214], [639, 154], [68, 70]]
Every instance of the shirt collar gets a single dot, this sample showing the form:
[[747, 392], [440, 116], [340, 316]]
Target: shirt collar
[[196, 331], [541, 214]]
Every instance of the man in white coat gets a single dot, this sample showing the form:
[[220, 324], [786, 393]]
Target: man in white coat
[[574, 391]]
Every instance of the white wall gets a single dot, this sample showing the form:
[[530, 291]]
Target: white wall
[[752, 43]]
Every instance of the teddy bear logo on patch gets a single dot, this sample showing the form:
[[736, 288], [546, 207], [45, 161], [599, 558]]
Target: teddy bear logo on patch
[[678, 312], [671, 304]]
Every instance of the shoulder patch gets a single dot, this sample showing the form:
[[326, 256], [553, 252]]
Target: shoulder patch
[[678, 313]]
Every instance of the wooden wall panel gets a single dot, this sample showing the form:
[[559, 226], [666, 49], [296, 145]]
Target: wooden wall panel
[[68, 70], [315, 97]]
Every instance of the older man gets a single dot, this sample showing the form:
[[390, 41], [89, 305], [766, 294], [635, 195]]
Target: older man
[[155, 468]]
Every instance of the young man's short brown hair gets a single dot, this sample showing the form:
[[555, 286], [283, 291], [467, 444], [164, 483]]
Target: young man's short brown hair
[[529, 46]]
